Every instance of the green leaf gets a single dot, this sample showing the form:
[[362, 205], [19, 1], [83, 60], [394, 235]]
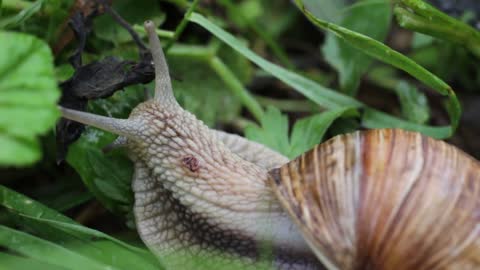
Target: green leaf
[[343, 126], [56, 228], [421, 40], [273, 131], [414, 103], [277, 17], [114, 255], [245, 12], [309, 131], [385, 54], [109, 254], [110, 177], [28, 96], [19, 203], [75, 253], [14, 262], [45, 251], [376, 119], [306, 132], [22, 16], [106, 175], [67, 199], [242, 68], [348, 61]]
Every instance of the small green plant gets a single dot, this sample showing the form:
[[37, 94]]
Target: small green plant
[[287, 75]]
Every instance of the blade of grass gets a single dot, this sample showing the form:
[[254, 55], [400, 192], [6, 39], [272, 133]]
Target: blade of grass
[[82, 231], [290, 105], [387, 55], [421, 17], [267, 38], [28, 208], [236, 86], [309, 131], [102, 251], [13, 262], [22, 16], [46, 251], [68, 200], [322, 96], [19, 203], [81, 240], [113, 255], [181, 26], [376, 119], [161, 33], [16, 4], [350, 63], [61, 229]]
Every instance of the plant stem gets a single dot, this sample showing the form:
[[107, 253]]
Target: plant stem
[[236, 86], [181, 26], [289, 105], [16, 4], [161, 33], [264, 35], [241, 123], [379, 77], [277, 50], [19, 5], [192, 51], [180, 3]]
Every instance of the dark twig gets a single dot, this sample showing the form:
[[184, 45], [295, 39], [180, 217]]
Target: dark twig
[[99, 79], [127, 26]]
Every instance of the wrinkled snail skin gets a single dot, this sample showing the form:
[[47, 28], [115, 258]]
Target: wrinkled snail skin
[[251, 151], [381, 199], [385, 199]]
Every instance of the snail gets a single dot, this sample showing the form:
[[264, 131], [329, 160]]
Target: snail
[[378, 199]]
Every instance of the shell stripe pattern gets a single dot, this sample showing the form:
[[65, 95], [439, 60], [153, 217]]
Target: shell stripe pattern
[[385, 199]]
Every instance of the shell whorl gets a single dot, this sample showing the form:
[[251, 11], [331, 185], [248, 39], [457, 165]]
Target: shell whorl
[[385, 199]]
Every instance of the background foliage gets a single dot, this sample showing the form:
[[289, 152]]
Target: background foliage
[[288, 74]]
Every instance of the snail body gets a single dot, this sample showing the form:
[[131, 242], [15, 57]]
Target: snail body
[[382, 199]]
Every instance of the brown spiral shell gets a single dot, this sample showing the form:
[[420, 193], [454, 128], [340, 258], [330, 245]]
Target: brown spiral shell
[[385, 199]]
